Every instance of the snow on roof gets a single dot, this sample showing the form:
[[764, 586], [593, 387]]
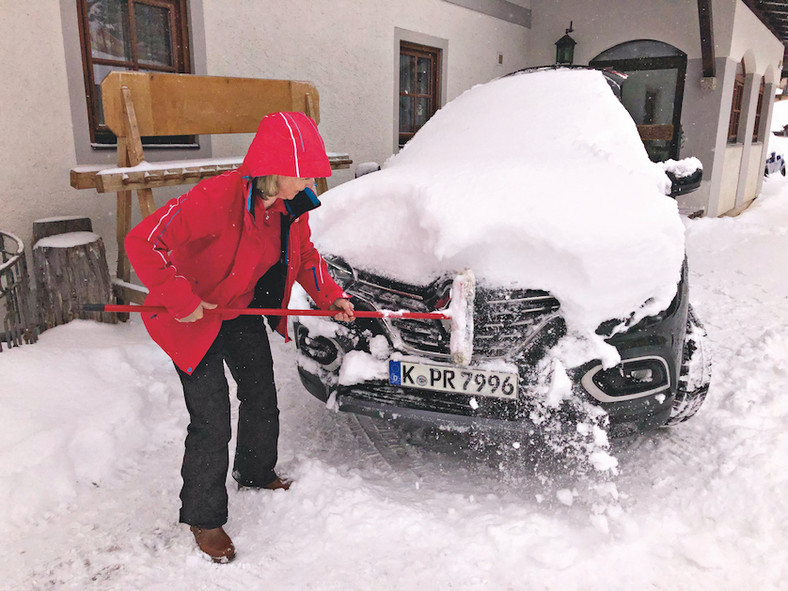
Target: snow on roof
[[537, 180]]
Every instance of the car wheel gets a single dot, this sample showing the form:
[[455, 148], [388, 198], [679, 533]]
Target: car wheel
[[695, 374]]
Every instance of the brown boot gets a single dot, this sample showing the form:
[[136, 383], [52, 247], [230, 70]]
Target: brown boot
[[276, 484], [215, 543], [283, 483]]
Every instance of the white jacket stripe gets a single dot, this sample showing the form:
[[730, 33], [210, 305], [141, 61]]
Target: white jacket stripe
[[295, 147]]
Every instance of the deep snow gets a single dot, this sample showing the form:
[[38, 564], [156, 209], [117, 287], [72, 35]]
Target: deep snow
[[91, 436]]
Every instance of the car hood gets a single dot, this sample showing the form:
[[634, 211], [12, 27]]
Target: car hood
[[537, 180]]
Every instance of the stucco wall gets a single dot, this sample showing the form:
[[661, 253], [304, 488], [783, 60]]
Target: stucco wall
[[729, 178], [598, 26], [754, 171], [737, 34], [751, 36], [738, 169], [347, 48], [36, 145]]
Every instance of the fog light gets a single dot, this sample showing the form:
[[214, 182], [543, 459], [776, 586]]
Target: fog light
[[632, 378], [322, 349]]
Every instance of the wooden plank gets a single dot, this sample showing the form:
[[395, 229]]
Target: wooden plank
[[184, 104], [82, 178], [123, 222], [706, 37], [106, 179], [309, 106], [145, 198], [128, 292], [153, 179], [656, 132], [122, 228], [132, 132]]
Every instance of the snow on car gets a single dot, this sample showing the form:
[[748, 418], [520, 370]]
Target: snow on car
[[538, 186]]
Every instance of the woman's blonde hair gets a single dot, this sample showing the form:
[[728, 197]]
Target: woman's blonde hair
[[267, 185]]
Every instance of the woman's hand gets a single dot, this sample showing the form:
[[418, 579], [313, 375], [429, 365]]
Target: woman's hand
[[345, 308], [198, 312]]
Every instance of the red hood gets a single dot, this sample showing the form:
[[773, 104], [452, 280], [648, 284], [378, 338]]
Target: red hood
[[287, 144]]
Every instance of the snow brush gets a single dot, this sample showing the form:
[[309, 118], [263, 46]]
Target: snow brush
[[271, 311], [460, 313], [463, 296]]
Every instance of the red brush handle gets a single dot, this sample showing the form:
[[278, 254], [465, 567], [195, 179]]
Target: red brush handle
[[269, 312]]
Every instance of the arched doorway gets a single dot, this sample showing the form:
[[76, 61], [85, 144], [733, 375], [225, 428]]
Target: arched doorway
[[653, 92]]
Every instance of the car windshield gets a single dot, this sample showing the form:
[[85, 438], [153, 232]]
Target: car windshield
[[535, 180]]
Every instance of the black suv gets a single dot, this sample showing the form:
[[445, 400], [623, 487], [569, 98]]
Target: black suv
[[662, 378]]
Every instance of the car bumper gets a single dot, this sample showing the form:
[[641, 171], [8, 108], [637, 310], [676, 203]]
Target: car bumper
[[657, 338], [424, 408]]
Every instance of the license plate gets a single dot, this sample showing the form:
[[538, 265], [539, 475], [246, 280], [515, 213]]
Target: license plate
[[473, 382]]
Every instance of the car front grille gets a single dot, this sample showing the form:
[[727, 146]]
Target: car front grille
[[430, 337], [506, 321]]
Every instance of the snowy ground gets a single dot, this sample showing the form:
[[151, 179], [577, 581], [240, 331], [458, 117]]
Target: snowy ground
[[91, 439]]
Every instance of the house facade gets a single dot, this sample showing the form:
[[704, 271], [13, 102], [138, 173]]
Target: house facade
[[382, 67], [720, 110]]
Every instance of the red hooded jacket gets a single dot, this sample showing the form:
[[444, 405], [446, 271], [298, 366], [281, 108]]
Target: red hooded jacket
[[207, 245]]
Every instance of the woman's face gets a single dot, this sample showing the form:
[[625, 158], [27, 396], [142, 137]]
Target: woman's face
[[290, 186]]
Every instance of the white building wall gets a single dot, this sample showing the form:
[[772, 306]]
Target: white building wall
[[751, 35], [737, 31], [346, 47], [36, 145], [762, 54], [598, 25], [729, 178]]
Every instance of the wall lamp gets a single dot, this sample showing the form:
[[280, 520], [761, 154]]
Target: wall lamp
[[565, 48]]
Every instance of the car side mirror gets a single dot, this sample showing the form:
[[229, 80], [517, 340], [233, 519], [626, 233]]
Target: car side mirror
[[685, 175]]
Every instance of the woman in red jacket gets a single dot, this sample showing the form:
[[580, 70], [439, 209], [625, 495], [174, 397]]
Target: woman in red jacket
[[236, 240]]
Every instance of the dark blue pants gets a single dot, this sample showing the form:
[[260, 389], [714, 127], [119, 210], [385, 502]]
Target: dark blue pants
[[242, 344]]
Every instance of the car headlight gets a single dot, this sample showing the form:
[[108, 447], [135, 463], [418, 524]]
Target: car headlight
[[326, 351], [342, 273], [632, 378]]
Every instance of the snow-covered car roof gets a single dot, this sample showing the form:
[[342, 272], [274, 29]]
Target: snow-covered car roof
[[536, 180]]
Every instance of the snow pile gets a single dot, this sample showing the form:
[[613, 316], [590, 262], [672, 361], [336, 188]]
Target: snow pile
[[537, 180], [91, 439], [75, 412], [698, 506], [779, 115]]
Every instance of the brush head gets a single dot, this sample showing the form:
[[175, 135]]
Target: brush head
[[463, 294]]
